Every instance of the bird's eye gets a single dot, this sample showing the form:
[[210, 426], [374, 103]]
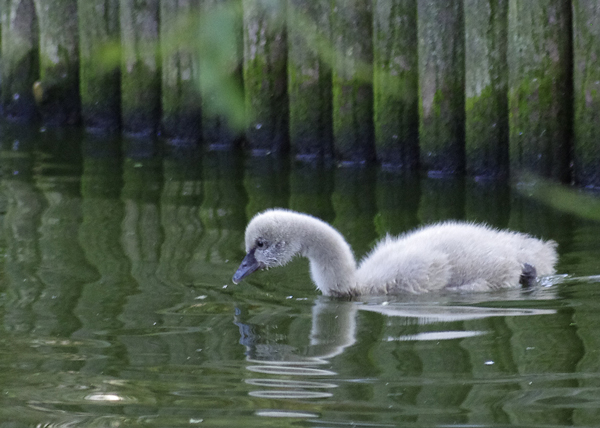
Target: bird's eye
[[260, 243]]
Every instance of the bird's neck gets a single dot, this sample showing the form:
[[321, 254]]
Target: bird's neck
[[332, 264]]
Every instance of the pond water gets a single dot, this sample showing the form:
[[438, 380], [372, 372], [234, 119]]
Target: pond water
[[117, 306]]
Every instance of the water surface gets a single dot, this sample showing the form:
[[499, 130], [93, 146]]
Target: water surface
[[117, 306]]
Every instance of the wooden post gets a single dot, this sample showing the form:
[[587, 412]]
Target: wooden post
[[540, 94], [441, 86], [265, 75], [352, 28], [100, 82], [140, 67], [223, 117], [486, 104], [57, 91], [20, 58], [180, 92], [586, 96], [309, 79], [395, 83]]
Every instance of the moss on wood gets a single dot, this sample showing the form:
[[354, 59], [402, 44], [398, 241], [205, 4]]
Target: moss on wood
[[395, 83], [540, 97], [442, 86]]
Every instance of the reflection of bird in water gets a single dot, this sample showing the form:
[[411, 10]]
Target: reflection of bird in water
[[445, 256]]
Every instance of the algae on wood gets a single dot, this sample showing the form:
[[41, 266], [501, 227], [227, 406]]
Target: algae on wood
[[20, 58], [586, 96], [140, 67], [309, 79], [395, 83], [265, 75], [352, 28], [100, 81], [57, 91], [181, 102], [441, 86], [540, 77], [486, 104]]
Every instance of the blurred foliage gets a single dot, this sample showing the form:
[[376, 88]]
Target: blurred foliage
[[579, 202], [213, 35]]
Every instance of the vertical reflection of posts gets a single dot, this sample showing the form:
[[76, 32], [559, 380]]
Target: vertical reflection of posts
[[488, 202], [25, 205], [63, 267], [491, 358], [311, 187], [142, 233], [179, 216], [267, 183], [397, 203], [442, 199], [355, 207], [543, 345], [222, 212], [399, 360], [547, 347], [441, 360], [99, 235], [587, 319]]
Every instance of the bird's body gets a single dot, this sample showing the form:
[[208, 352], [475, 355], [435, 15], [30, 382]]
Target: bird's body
[[445, 256]]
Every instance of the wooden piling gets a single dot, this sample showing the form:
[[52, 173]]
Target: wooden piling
[[223, 117], [540, 78], [586, 95], [395, 83], [265, 75], [140, 67], [309, 79], [100, 80], [57, 90], [352, 28], [486, 80], [180, 92], [20, 58], [441, 86]]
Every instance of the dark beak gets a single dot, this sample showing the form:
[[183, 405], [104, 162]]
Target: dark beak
[[249, 265]]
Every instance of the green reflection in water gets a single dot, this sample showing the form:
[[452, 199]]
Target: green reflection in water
[[118, 309]]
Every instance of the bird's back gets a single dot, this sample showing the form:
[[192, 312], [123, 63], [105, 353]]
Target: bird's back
[[453, 255]]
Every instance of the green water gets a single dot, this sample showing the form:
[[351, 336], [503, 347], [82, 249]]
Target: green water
[[117, 306]]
